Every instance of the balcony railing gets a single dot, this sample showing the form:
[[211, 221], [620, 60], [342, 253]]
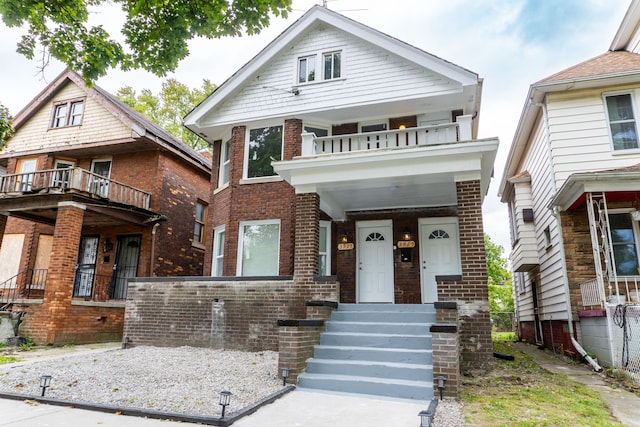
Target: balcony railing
[[60, 180], [409, 137]]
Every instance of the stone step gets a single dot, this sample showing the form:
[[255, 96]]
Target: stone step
[[368, 340], [378, 327], [387, 316], [367, 368], [397, 355]]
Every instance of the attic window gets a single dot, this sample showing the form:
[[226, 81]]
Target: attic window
[[319, 66], [67, 113], [307, 69]]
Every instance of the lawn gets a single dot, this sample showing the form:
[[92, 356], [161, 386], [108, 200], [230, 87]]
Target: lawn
[[520, 393]]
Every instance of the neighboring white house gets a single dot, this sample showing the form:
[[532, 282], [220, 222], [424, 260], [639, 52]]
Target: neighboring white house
[[573, 191]]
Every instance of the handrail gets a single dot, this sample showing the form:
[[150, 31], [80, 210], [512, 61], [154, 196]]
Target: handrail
[[61, 180], [99, 287], [27, 284]]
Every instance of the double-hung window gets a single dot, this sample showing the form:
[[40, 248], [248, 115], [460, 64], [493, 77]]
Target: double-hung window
[[265, 145], [622, 121], [225, 161], [67, 113], [625, 247], [307, 69], [259, 248], [199, 225], [332, 65], [218, 251]]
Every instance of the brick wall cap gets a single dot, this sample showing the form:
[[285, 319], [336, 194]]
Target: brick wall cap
[[592, 313], [301, 322], [211, 279], [320, 303], [444, 327], [447, 305]]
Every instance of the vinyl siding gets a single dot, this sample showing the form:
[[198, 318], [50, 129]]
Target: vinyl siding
[[363, 66], [98, 124], [580, 133]]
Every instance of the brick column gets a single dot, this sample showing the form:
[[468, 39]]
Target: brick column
[[3, 225], [471, 293], [62, 263], [296, 340], [307, 237]]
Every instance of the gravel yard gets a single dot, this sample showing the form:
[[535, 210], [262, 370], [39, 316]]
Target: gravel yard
[[185, 380]]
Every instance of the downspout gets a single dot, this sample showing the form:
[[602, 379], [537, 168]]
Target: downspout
[[152, 272], [565, 277]]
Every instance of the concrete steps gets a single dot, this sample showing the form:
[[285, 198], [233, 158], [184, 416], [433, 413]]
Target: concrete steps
[[375, 349]]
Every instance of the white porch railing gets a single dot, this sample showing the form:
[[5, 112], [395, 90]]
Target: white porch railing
[[57, 180], [409, 137], [627, 286]]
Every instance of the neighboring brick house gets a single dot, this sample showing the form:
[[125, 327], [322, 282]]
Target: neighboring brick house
[[346, 168], [94, 194], [572, 184]]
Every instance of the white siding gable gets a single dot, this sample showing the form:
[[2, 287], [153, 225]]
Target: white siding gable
[[364, 66], [98, 124], [580, 134]]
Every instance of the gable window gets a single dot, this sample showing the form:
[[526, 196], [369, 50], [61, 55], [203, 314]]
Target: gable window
[[623, 241], [67, 114], [332, 65], [199, 226], [324, 256], [307, 69], [218, 251], [265, 145], [622, 121], [259, 248], [224, 163]]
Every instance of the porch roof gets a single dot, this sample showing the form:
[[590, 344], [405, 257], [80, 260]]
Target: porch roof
[[619, 184], [390, 178]]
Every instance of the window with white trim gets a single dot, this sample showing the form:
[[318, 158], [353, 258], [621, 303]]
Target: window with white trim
[[624, 244], [225, 149], [324, 253], [218, 251], [67, 113], [264, 146], [307, 69], [332, 65], [317, 130], [259, 248], [199, 225], [622, 121]]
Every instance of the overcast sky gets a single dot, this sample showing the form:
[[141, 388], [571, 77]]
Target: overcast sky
[[509, 43]]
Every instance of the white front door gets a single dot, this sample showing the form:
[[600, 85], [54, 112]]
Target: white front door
[[439, 253], [374, 272]]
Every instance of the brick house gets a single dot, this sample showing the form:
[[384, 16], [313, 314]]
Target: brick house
[[572, 188], [93, 194], [346, 169]]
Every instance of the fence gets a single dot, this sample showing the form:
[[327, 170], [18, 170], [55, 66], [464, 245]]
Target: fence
[[625, 331]]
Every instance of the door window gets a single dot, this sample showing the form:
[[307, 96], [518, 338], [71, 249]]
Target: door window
[[86, 267], [27, 167], [125, 266], [62, 174], [99, 180]]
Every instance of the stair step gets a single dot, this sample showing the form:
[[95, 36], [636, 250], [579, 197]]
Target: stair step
[[397, 355], [378, 327], [376, 340], [421, 308], [405, 389], [367, 368], [388, 316]]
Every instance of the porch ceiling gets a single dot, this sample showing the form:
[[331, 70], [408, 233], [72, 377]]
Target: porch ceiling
[[618, 185], [99, 213], [390, 178]]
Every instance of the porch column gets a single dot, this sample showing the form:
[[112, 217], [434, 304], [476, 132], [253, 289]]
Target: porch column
[[64, 255], [471, 292], [3, 225], [305, 265]]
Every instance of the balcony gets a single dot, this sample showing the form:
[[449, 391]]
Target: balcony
[[445, 133], [594, 294], [56, 181]]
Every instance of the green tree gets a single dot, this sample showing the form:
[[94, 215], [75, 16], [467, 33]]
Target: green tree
[[6, 130], [169, 106], [156, 32], [501, 304]]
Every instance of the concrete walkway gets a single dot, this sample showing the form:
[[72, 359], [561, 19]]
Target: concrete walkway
[[624, 405]]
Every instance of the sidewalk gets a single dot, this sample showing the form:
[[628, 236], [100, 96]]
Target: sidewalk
[[624, 405]]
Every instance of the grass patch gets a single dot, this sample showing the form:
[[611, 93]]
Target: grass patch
[[7, 359], [520, 393], [503, 336]]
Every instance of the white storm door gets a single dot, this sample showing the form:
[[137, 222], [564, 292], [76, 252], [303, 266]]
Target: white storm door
[[439, 253], [375, 261]]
